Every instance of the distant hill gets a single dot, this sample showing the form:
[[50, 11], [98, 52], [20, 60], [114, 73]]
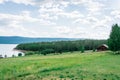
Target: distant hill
[[18, 40]]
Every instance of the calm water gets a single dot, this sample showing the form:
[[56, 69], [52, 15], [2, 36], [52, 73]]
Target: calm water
[[7, 49]]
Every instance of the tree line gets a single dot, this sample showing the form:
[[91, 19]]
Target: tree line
[[61, 46]]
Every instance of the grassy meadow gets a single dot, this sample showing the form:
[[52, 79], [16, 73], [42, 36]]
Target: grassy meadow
[[66, 66]]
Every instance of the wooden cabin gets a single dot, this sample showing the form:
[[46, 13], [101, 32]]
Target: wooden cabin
[[102, 47]]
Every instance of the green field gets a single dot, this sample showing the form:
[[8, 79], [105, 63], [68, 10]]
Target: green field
[[66, 66]]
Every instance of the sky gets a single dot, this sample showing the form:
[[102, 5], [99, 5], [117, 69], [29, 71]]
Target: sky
[[91, 19]]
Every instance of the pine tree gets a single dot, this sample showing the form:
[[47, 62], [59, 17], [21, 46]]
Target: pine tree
[[114, 39]]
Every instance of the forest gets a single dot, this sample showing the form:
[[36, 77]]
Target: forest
[[61, 46]]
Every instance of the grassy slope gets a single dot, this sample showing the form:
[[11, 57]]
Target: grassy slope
[[72, 66]]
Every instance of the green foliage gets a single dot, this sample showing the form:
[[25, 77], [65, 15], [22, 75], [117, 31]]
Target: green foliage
[[61, 46], [82, 49], [19, 54], [13, 55], [94, 49], [47, 51], [114, 40], [29, 53]]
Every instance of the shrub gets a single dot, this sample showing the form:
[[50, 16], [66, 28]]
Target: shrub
[[13, 55], [47, 51], [82, 49], [94, 49], [29, 53], [19, 54]]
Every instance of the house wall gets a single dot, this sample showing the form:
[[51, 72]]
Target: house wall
[[101, 48]]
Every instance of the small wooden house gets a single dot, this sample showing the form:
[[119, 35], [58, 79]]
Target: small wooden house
[[102, 47]]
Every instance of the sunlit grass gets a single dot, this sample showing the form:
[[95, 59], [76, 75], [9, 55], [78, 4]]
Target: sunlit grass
[[66, 66]]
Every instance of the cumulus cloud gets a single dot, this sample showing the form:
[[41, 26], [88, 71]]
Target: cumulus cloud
[[86, 20], [72, 15], [94, 7], [26, 2], [91, 5], [14, 24], [16, 18], [116, 14], [60, 18]]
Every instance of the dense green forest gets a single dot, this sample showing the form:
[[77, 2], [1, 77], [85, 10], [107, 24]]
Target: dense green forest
[[61, 46]]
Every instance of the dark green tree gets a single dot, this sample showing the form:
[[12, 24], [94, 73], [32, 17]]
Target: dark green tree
[[19, 54], [82, 49], [94, 49], [114, 39]]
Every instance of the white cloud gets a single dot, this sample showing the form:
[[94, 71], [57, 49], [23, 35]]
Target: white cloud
[[64, 3], [78, 2], [72, 15], [53, 3], [1, 1], [116, 14], [86, 20], [14, 29], [14, 24], [63, 30], [103, 23], [24, 17], [94, 6], [75, 18], [55, 9], [49, 13], [17, 18], [26, 2], [81, 20], [47, 16], [46, 22]]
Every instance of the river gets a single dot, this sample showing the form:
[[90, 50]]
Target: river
[[7, 49]]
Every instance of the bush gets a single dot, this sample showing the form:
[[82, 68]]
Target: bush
[[82, 49], [19, 54], [94, 49], [47, 51], [13, 55], [29, 53], [117, 52]]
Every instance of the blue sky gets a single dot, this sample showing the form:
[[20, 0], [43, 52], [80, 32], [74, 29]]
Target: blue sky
[[59, 18]]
